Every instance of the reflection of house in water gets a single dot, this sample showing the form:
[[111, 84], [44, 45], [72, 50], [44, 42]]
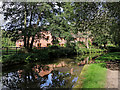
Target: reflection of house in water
[[20, 73], [47, 69], [46, 38], [42, 71], [86, 60]]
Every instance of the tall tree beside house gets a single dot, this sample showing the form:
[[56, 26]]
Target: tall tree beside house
[[93, 20], [62, 19], [106, 24], [80, 16], [101, 28], [114, 11], [29, 18], [17, 14], [68, 21], [58, 24]]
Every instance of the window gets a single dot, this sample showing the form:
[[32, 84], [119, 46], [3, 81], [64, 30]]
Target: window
[[47, 37], [39, 44], [48, 44]]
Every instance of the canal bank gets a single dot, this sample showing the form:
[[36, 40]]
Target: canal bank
[[102, 74], [61, 75]]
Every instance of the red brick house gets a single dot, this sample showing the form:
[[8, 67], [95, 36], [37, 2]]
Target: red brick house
[[46, 40]]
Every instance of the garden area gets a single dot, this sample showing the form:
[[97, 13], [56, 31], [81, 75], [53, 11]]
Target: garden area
[[57, 45]]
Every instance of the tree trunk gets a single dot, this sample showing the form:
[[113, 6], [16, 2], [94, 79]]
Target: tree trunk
[[25, 41], [31, 45], [28, 41], [25, 26], [87, 42], [29, 32]]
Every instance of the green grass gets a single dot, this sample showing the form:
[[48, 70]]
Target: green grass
[[94, 76]]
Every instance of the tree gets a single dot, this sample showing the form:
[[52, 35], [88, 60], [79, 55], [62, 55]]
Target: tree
[[6, 40], [81, 18], [29, 18], [114, 8], [101, 28]]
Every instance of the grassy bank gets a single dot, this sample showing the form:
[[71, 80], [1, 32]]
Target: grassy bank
[[46, 55], [92, 76], [42, 55]]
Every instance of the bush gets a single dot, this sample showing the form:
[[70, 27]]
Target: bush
[[109, 56], [42, 55]]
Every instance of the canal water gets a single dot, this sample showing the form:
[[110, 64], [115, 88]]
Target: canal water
[[62, 74]]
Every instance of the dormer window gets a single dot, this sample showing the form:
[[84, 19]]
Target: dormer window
[[47, 37]]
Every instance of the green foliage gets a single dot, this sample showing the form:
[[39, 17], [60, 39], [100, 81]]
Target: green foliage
[[90, 19], [43, 56], [84, 56], [109, 56], [113, 48], [6, 40], [115, 28], [90, 43], [81, 48], [28, 59]]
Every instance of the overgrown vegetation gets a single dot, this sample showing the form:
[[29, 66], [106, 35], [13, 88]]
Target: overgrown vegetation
[[80, 48], [6, 39], [42, 55], [109, 57]]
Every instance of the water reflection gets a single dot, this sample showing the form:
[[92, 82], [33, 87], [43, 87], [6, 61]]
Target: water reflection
[[48, 82], [64, 74]]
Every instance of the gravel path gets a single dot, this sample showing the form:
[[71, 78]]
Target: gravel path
[[112, 79], [119, 77]]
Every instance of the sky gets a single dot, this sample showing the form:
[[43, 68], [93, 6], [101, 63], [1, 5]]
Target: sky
[[2, 22], [1, 15]]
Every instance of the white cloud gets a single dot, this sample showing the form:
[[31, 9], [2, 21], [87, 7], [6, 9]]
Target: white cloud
[[0, 3]]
